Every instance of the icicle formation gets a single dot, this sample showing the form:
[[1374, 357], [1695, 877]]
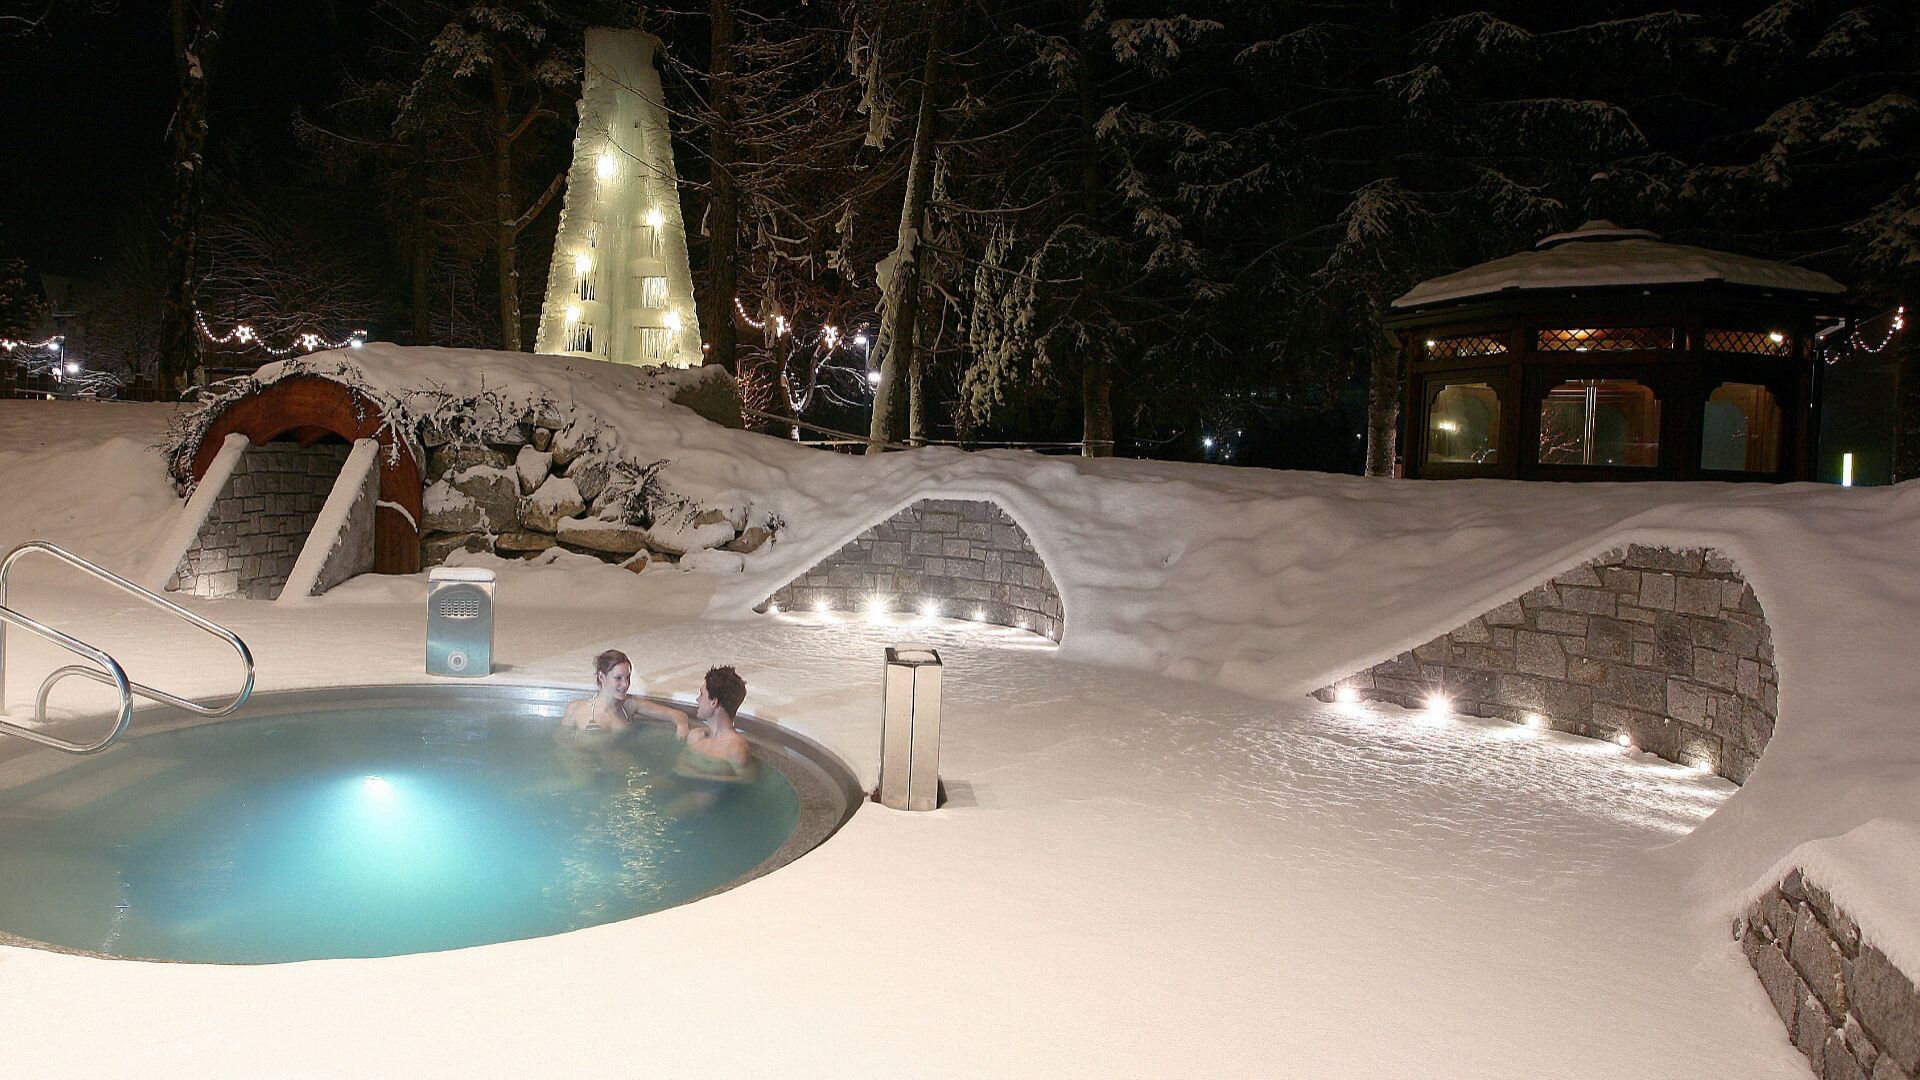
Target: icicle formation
[[877, 103]]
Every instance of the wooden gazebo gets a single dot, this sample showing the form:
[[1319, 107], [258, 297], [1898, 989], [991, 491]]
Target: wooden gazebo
[[1607, 354]]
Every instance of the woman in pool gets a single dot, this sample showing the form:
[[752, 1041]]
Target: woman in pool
[[609, 710]]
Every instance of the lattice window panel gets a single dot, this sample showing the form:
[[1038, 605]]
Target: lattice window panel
[[653, 292], [583, 285], [580, 337], [1747, 342], [1606, 339], [656, 343], [1467, 345]]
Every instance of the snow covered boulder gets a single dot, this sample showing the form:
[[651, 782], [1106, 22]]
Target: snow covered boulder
[[533, 466], [749, 540], [448, 510], [450, 459], [599, 534], [694, 532], [713, 561], [496, 490], [557, 498], [589, 473], [521, 542], [583, 433]]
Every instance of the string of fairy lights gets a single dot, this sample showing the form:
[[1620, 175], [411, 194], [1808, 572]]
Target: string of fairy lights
[[49, 358], [823, 347]]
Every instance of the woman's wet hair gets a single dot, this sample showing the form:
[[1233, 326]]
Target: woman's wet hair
[[607, 661], [726, 688]]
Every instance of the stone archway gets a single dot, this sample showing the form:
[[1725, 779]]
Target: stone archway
[[967, 557], [307, 409]]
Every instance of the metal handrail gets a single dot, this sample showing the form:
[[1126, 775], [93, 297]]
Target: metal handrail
[[113, 672]]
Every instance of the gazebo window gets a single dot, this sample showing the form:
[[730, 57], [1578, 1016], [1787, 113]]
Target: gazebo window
[[1740, 429], [1605, 339], [1600, 422], [1463, 425], [1467, 345], [1747, 342]]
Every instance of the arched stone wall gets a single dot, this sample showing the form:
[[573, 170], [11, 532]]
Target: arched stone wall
[[1669, 647], [309, 408], [966, 555]]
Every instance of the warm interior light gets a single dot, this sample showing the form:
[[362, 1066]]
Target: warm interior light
[[607, 166], [582, 263], [1447, 425], [673, 321], [573, 313], [1776, 337], [655, 218]]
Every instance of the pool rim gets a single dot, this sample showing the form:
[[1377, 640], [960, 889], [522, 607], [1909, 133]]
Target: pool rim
[[828, 789]]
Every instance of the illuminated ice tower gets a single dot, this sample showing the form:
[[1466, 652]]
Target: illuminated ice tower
[[619, 289]]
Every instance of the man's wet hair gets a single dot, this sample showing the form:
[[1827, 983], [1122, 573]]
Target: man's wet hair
[[726, 688]]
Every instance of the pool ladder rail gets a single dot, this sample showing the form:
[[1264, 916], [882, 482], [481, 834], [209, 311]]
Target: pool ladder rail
[[109, 673]]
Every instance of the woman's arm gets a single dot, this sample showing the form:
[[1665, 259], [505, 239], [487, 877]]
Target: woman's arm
[[654, 710]]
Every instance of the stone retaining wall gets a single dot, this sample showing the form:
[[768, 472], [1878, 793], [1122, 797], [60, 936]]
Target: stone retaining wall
[[254, 532], [1668, 647], [1855, 1015], [968, 556]]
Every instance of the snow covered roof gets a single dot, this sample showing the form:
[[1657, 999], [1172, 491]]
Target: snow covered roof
[[1601, 253]]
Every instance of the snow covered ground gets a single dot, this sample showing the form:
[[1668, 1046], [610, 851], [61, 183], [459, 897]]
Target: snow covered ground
[[1163, 860]]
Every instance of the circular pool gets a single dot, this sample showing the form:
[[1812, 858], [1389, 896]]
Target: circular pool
[[375, 821]]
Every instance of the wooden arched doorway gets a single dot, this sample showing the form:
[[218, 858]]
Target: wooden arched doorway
[[309, 408]]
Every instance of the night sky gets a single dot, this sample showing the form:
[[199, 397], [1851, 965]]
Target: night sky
[[89, 98]]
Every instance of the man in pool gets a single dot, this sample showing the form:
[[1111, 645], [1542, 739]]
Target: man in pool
[[717, 756]]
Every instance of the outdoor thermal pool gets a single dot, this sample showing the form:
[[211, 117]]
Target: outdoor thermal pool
[[385, 820]]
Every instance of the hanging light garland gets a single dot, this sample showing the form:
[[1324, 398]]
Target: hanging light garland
[[245, 334], [1899, 323]]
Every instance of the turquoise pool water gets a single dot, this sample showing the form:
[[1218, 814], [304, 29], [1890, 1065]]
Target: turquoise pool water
[[369, 832]]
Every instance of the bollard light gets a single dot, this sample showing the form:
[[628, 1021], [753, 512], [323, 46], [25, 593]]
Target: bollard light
[[910, 733]]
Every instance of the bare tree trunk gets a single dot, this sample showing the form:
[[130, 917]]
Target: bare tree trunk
[[422, 260], [1383, 413], [917, 383], [1096, 371], [902, 299], [723, 210], [1906, 409], [506, 228], [187, 140], [1384, 379]]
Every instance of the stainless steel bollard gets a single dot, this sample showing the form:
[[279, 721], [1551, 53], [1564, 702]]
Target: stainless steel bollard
[[910, 737], [460, 621]]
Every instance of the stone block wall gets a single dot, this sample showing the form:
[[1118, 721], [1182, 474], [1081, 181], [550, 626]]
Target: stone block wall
[[968, 556], [1855, 1015], [1669, 647], [256, 528]]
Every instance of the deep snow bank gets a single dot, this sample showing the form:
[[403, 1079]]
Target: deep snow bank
[[1275, 583]]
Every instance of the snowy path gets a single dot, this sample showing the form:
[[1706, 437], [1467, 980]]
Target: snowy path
[[1154, 878]]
